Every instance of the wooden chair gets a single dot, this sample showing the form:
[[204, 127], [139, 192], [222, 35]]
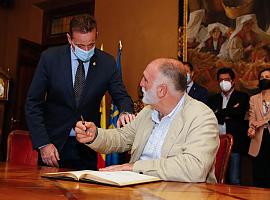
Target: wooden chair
[[223, 156], [19, 149]]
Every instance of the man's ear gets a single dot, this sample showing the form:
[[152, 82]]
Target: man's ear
[[162, 90], [191, 75], [233, 82], [69, 38]]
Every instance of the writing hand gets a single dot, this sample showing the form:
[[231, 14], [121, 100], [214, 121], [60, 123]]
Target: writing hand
[[124, 167], [85, 131], [124, 118], [49, 155]]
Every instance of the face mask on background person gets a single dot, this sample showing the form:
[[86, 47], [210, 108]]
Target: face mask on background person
[[83, 55], [188, 78], [149, 97], [225, 86], [264, 84]]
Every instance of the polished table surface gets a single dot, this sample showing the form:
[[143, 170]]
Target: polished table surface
[[23, 182]]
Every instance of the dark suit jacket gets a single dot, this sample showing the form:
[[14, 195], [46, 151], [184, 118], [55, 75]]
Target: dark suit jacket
[[233, 115], [198, 92], [50, 106]]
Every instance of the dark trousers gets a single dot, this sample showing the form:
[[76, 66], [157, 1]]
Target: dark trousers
[[76, 156], [261, 163]]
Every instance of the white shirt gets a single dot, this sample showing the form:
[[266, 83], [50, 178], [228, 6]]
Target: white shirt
[[152, 149], [189, 86], [222, 127]]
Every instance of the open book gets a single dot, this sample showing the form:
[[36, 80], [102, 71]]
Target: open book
[[118, 178]]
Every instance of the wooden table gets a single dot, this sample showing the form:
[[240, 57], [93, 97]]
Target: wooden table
[[22, 182]]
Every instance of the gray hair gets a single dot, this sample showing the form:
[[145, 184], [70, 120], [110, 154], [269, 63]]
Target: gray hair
[[173, 71]]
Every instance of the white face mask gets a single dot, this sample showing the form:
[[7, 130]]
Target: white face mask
[[225, 86], [149, 97]]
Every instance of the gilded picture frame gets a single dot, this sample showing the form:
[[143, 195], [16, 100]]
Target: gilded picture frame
[[4, 88], [198, 22]]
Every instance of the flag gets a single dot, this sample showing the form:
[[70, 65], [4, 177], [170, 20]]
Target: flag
[[103, 124], [114, 158]]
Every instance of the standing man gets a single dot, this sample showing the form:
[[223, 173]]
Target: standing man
[[68, 85], [230, 107], [175, 137], [193, 89]]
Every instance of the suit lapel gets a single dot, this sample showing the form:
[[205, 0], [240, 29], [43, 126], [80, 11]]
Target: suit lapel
[[259, 104], [192, 90], [67, 74], [231, 100], [146, 131], [175, 129]]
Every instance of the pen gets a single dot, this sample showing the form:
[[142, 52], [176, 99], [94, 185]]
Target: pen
[[83, 122]]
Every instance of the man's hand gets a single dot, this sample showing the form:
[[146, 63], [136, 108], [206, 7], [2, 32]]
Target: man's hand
[[85, 132], [124, 118], [124, 167], [49, 155], [251, 132]]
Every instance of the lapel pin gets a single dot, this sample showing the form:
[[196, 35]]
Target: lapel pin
[[94, 63]]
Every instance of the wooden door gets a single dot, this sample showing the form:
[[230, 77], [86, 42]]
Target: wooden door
[[28, 57], [14, 117]]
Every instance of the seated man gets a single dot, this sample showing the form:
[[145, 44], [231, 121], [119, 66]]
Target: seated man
[[174, 138]]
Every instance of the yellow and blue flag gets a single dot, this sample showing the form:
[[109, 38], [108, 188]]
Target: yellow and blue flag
[[103, 124], [114, 158]]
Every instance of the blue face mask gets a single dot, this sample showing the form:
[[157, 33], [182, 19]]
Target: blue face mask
[[83, 55], [188, 78]]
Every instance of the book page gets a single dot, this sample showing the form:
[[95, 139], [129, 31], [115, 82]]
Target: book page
[[71, 174], [120, 178]]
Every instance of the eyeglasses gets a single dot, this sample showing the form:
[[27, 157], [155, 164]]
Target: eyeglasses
[[224, 79]]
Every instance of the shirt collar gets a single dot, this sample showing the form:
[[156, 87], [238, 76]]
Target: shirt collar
[[155, 113], [190, 84], [73, 56], [228, 96]]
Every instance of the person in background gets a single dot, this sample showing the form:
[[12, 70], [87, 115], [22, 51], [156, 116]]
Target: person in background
[[69, 84], [193, 89], [259, 131], [216, 38], [230, 107], [175, 137], [246, 38]]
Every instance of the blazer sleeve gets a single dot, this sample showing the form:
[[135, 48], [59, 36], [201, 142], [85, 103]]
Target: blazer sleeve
[[253, 119], [236, 111], [118, 139], [252, 116], [34, 107]]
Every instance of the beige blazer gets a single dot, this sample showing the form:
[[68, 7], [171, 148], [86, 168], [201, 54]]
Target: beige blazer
[[188, 152], [257, 119]]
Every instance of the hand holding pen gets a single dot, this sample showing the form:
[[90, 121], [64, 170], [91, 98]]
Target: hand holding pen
[[86, 132]]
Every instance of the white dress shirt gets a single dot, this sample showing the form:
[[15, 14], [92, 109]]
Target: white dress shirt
[[222, 127], [189, 86], [152, 149]]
